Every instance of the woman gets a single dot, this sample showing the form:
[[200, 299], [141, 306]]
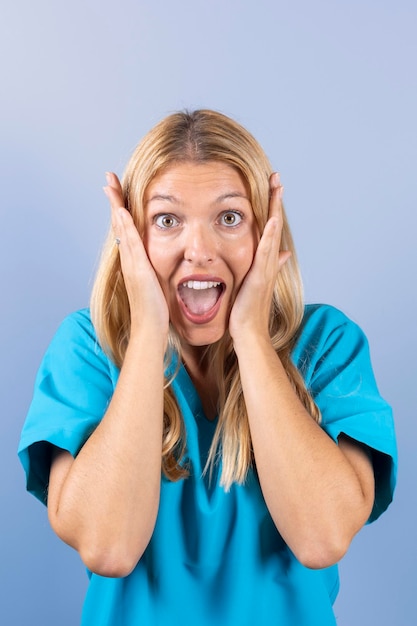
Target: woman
[[209, 445]]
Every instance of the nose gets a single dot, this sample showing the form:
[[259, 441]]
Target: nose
[[199, 245]]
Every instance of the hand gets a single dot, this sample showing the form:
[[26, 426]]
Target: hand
[[146, 299], [252, 306]]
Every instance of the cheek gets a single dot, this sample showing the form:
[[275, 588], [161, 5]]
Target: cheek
[[157, 255], [244, 253]]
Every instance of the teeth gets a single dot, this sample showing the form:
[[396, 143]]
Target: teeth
[[200, 284]]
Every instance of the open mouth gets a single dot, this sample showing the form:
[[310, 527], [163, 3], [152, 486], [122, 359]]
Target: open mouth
[[200, 296]]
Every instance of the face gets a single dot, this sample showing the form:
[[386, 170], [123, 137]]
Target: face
[[200, 235]]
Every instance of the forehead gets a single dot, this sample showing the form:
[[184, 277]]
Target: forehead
[[211, 180]]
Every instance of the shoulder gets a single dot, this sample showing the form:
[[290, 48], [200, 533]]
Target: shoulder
[[77, 330], [76, 340], [324, 327], [323, 317], [78, 323], [331, 348], [332, 353], [72, 390]]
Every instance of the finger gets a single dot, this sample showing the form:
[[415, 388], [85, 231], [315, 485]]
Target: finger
[[271, 237], [124, 224], [125, 231], [114, 193], [275, 195], [114, 182], [283, 258], [268, 255], [127, 242], [130, 243], [267, 252]]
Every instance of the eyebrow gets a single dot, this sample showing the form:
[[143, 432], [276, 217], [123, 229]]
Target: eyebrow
[[160, 196], [174, 200], [232, 194]]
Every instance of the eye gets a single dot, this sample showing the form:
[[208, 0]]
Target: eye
[[165, 220], [231, 218]]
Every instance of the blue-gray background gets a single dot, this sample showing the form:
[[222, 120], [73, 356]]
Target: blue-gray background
[[329, 89]]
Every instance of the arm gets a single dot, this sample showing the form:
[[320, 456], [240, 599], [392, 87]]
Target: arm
[[104, 503], [319, 494]]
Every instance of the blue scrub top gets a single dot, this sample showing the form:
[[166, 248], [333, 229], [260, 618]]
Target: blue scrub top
[[214, 557]]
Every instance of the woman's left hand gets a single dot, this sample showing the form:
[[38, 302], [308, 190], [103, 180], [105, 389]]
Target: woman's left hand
[[319, 494], [251, 309]]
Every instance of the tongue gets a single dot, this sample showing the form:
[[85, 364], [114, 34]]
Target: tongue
[[199, 301]]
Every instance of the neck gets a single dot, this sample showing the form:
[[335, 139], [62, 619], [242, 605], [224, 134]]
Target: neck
[[203, 376]]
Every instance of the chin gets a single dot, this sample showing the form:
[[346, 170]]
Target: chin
[[201, 337]]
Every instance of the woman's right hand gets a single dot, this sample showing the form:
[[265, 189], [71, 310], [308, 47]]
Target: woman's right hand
[[146, 299], [104, 503]]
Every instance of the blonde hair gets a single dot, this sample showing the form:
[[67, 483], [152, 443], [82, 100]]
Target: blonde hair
[[203, 136]]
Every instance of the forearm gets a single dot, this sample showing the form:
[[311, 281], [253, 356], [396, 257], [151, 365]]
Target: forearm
[[107, 503], [314, 494]]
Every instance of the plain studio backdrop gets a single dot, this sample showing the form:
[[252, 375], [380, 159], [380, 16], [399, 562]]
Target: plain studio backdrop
[[329, 89]]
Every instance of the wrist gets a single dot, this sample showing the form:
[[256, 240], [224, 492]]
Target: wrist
[[251, 340], [148, 335]]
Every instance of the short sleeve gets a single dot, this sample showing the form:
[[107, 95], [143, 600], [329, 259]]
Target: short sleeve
[[73, 387], [332, 353]]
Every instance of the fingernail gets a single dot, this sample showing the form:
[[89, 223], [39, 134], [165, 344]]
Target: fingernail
[[276, 179], [106, 191], [108, 177]]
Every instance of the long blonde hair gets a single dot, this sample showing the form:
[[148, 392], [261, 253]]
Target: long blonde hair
[[203, 136]]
